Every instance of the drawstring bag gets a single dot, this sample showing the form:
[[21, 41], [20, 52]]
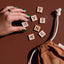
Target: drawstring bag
[[49, 52]]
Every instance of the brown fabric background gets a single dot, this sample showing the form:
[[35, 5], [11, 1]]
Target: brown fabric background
[[14, 48]]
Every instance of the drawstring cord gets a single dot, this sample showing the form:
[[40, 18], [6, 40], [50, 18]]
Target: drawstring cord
[[29, 62], [56, 28], [58, 14]]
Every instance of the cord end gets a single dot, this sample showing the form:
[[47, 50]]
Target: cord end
[[58, 11]]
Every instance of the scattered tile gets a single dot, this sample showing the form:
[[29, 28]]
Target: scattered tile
[[42, 20], [37, 28], [25, 24], [42, 33], [39, 9], [34, 18], [31, 36]]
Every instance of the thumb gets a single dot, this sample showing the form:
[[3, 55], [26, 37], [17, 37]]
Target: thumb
[[19, 28]]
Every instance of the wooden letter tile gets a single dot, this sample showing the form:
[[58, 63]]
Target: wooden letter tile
[[37, 28], [31, 36], [39, 9], [42, 20], [42, 33], [34, 18], [25, 24]]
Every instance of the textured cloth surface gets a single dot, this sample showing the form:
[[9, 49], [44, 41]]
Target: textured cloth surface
[[50, 53]]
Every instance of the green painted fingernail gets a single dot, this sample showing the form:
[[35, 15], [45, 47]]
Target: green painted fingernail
[[28, 19], [15, 6], [24, 9], [24, 30], [29, 15]]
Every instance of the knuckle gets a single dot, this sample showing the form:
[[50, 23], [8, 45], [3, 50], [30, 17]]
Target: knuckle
[[6, 7], [5, 13], [8, 17], [24, 14], [19, 29]]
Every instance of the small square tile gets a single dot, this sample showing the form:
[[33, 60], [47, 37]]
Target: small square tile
[[42, 33], [25, 24], [37, 28], [42, 20], [39, 9], [34, 18], [31, 36]]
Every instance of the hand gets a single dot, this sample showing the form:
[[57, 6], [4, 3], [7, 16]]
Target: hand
[[7, 17]]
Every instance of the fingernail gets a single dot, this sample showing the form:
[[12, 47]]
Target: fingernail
[[28, 19], [24, 9], [29, 15], [24, 30], [15, 6]]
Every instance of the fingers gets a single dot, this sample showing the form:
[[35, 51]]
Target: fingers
[[13, 9], [18, 14], [15, 29], [6, 9], [15, 18], [17, 10]]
